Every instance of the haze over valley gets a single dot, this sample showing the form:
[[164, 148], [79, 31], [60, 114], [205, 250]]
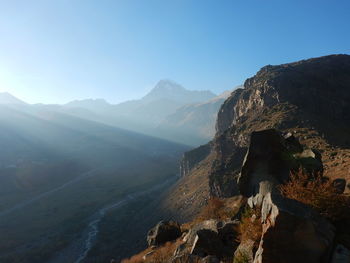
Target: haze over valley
[[177, 131], [60, 164]]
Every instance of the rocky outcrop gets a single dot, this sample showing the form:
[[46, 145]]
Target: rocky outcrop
[[260, 126], [306, 99], [163, 232], [226, 116], [309, 95], [292, 232], [213, 237], [318, 85], [192, 158], [279, 230], [210, 238], [294, 237]]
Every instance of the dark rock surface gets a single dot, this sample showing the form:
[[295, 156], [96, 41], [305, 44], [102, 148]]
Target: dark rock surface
[[318, 85], [306, 101], [310, 94], [163, 232], [292, 231], [192, 158]]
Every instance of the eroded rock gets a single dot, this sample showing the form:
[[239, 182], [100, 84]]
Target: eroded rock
[[213, 237], [292, 231], [163, 232]]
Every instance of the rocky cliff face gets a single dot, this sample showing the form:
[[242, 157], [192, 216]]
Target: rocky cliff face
[[265, 224], [192, 158], [318, 86], [309, 98], [312, 95], [287, 118]]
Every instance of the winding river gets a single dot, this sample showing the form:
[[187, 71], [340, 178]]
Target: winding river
[[78, 249]]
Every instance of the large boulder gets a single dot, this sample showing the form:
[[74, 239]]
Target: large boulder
[[211, 238], [163, 232], [207, 242], [308, 97], [265, 164], [295, 238], [292, 232]]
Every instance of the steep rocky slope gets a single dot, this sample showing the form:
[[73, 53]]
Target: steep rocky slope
[[309, 98], [272, 185], [287, 212]]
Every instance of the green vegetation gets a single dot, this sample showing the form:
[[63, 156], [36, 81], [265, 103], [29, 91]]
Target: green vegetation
[[241, 258]]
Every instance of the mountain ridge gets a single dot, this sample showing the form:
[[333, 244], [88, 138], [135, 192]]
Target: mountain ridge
[[288, 97], [281, 147], [151, 114], [7, 98]]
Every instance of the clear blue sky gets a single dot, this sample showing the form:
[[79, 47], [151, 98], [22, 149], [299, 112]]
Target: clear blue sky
[[53, 51]]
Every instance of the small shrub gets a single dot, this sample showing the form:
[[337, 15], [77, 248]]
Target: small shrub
[[318, 193], [163, 253], [241, 257], [250, 227], [159, 255], [213, 210]]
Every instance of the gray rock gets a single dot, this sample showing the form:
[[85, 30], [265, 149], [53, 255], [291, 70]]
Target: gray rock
[[207, 242], [265, 164], [163, 232], [213, 237], [207, 224], [293, 232]]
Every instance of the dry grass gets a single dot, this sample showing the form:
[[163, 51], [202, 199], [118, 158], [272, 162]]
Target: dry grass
[[188, 259], [318, 193], [134, 259], [215, 209], [241, 258], [159, 255], [250, 227], [138, 258]]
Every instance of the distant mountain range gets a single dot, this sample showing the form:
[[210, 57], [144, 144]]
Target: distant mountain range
[[167, 89], [193, 123], [7, 98], [168, 111], [61, 163]]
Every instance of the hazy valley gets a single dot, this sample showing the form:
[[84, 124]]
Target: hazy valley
[[61, 164], [174, 131]]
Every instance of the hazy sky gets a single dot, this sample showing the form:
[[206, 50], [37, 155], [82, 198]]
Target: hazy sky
[[55, 51]]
